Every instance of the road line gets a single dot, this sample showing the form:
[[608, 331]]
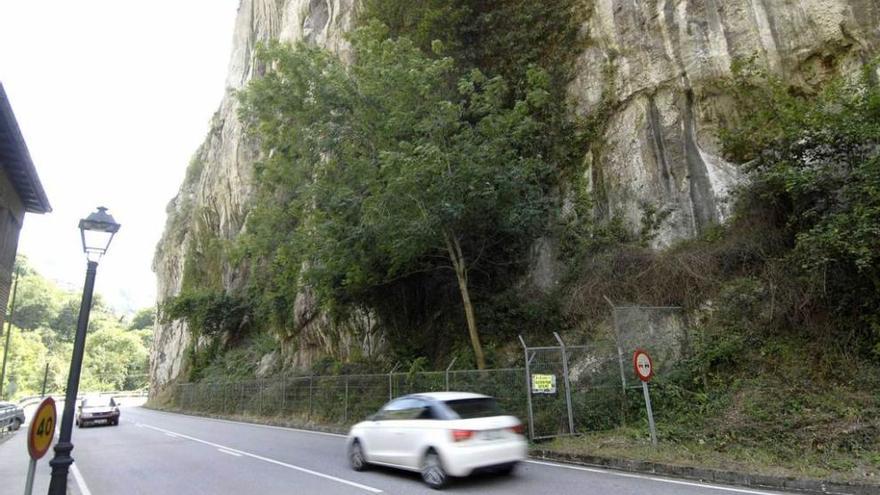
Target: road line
[[248, 423], [271, 461], [654, 478], [80, 482], [172, 435], [578, 468], [224, 451]]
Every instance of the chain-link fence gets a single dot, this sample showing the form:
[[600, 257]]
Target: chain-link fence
[[343, 399], [561, 390]]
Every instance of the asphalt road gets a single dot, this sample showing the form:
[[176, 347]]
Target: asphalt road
[[160, 453]]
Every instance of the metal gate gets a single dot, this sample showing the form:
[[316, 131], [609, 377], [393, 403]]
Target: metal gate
[[548, 389]]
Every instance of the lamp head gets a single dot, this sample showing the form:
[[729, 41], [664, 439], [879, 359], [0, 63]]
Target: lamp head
[[96, 231]]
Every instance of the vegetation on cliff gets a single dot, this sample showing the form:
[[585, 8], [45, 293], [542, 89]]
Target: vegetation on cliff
[[411, 184], [408, 185]]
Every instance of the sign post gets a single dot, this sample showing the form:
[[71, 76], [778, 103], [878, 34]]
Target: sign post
[[40, 435], [645, 371]]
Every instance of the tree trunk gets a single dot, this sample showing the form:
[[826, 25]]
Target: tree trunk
[[455, 255]]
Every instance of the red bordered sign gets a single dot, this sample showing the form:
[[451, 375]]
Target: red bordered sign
[[643, 365], [42, 429]]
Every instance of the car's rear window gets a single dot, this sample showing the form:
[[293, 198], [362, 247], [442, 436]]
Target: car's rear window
[[483, 407]]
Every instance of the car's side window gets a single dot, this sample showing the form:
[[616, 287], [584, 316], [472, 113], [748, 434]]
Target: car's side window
[[391, 410], [406, 409]]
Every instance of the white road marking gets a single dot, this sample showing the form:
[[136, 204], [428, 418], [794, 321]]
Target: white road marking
[[224, 451], [577, 468], [172, 435], [266, 459], [80, 482], [654, 478], [246, 423]]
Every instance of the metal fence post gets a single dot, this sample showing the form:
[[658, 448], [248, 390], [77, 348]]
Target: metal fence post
[[260, 398], [390, 384], [447, 372], [567, 383], [528, 388], [620, 361], [283, 392], [309, 417], [345, 410], [225, 396]]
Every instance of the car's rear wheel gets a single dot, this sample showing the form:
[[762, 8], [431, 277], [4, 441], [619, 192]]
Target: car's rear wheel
[[433, 473], [16, 424], [505, 469], [356, 456]]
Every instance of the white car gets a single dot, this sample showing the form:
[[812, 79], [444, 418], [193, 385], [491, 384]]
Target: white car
[[439, 434]]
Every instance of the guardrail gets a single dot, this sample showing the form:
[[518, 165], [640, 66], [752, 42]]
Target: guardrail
[[36, 399]]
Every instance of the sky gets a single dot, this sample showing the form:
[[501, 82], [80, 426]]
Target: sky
[[113, 98]]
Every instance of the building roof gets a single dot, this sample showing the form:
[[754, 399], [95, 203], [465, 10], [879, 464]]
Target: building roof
[[16, 161]]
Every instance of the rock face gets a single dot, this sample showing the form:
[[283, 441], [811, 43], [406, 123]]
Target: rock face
[[213, 200], [652, 66], [655, 65]]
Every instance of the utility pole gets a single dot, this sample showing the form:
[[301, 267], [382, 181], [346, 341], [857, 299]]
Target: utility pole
[[8, 331]]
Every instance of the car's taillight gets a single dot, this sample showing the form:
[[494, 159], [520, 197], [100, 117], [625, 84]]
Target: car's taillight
[[460, 435], [518, 429]]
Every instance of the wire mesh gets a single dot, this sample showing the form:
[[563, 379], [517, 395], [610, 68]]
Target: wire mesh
[[341, 399], [661, 331]]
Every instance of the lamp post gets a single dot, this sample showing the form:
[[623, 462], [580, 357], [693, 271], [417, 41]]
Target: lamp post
[[96, 231]]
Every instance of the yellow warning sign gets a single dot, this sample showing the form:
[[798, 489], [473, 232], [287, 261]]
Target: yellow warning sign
[[543, 384]]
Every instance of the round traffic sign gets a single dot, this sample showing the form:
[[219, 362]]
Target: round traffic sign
[[643, 365], [42, 429]]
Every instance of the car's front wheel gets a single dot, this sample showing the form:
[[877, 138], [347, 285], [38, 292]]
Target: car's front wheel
[[16, 424], [433, 473], [356, 456]]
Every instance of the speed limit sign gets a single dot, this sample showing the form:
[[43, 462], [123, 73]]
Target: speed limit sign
[[42, 429]]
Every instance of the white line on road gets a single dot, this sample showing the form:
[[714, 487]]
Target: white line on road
[[266, 459], [172, 435], [248, 423], [654, 478], [83, 488], [224, 451]]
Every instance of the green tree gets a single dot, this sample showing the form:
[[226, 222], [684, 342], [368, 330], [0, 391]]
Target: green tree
[[144, 318], [394, 166], [816, 160], [37, 302]]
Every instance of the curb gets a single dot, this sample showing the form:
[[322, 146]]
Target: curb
[[801, 485]]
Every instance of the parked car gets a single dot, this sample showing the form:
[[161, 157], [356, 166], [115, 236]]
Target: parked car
[[439, 434], [11, 416], [97, 410]]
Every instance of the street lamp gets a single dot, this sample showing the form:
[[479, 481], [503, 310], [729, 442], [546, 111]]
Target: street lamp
[[96, 231]]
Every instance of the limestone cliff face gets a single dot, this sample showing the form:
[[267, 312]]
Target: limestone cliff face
[[656, 64], [213, 200], [652, 65]]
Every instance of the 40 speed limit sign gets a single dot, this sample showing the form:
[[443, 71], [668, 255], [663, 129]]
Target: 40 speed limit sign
[[42, 429]]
